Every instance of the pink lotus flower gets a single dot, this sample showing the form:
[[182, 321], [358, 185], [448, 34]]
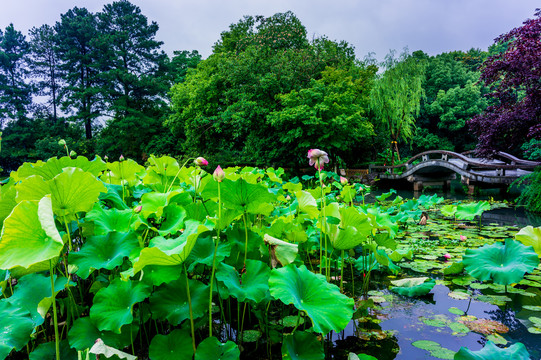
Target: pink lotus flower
[[343, 180], [318, 158], [201, 161], [463, 238], [121, 158], [219, 174], [138, 209], [447, 256]]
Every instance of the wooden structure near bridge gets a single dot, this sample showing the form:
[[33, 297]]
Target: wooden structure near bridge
[[439, 167]]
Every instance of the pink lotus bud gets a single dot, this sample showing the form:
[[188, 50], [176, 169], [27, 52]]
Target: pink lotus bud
[[317, 158], [138, 209], [201, 161], [106, 158], [463, 238], [121, 158], [343, 180], [447, 256], [219, 174], [288, 197]]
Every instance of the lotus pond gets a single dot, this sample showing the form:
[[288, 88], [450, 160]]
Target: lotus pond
[[167, 261]]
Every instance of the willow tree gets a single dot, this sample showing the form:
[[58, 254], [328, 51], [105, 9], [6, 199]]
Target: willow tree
[[396, 97]]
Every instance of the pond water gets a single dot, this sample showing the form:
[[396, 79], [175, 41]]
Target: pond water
[[397, 322]]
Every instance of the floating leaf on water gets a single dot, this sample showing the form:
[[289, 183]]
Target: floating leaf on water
[[463, 281], [485, 326], [497, 339], [426, 345], [413, 286], [437, 321], [456, 311], [458, 295], [478, 286], [458, 327], [530, 283], [378, 299], [454, 268], [443, 353], [493, 299], [534, 330], [532, 307], [375, 293]]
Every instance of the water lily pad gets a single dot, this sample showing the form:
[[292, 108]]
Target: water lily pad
[[212, 348], [492, 352], [436, 322], [499, 300], [323, 303], [485, 326], [435, 349], [497, 339], [302, 345], [504, 264], [459, 295], [413, 286], [458, 327], [532, 307], [456, 311]]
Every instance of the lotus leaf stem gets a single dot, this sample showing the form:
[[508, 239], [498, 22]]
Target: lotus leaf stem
[[55, 317], [190, 307]]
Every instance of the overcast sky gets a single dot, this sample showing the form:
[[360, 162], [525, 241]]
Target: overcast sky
[[433, 26]]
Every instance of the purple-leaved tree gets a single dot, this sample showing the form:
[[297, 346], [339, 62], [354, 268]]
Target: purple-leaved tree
[[514, 77]]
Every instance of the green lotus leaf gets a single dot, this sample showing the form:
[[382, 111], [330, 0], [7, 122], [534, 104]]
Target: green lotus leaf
[[113, 305], [448, 210], [170, 301], [251, 285], [384, 239], [353, 230], [33, 294], [174, 220], [106, 221], [428, 202], [177, 345], [29, 235], [471, 210], [123, 173], [103, 252], [159, 274], [17, 325], [413, 286], [113, 197], [491, 352], [154, 203], [323, 303], [7, 200], [243, 196], [454, 268], [32, 188], [307, 203], [386, 195], [530, 236], [54, 166], [353, 356], [161, 173], [83, 334], [281, 251], [4, 278], [73, 191], [302, 345], [504, 264], [203, 252], [212, 348], [99, 348], [170, 251], [382, 221], [48, 351]]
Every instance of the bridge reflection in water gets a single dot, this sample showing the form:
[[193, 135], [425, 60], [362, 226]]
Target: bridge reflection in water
[[439, 167]]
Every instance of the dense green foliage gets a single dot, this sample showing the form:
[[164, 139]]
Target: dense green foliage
[[167, 261]]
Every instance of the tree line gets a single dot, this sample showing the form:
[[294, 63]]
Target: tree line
[[265, 95]]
